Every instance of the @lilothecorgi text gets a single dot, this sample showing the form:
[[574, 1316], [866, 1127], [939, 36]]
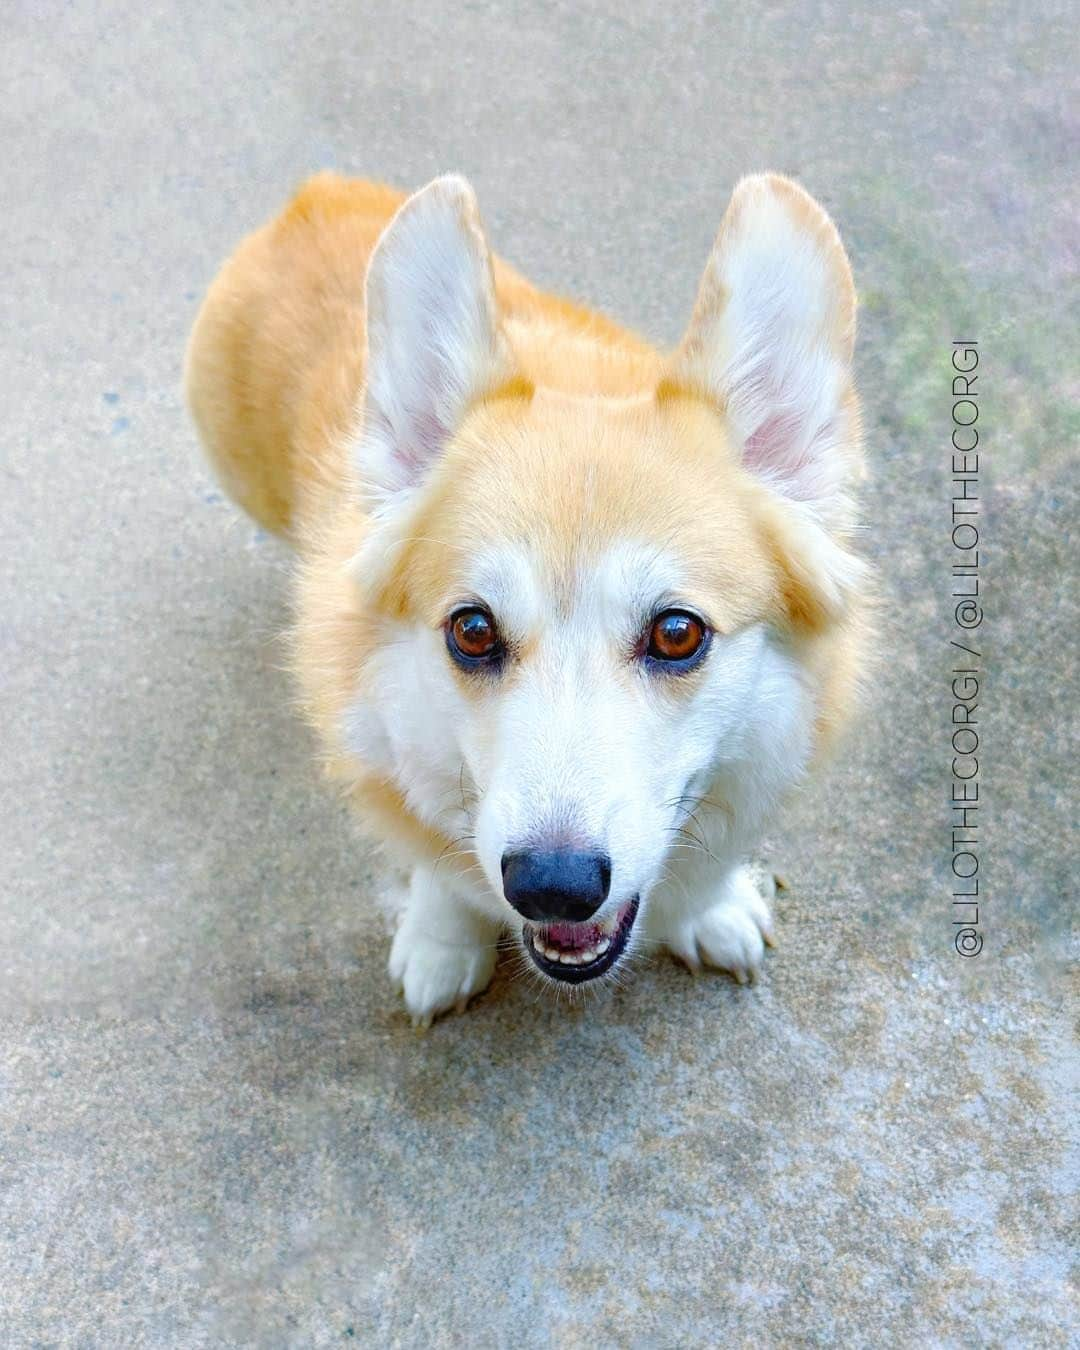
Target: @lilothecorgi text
[[966, 616]]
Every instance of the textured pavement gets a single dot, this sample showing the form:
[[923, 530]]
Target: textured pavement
[[216, 1124]]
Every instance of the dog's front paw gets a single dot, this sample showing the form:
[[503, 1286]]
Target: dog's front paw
[[732, 933], [435, 975]]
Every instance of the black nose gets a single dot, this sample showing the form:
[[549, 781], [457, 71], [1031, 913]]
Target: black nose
[[546, 886]]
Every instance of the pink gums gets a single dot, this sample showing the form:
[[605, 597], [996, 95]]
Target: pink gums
[[572, 937]]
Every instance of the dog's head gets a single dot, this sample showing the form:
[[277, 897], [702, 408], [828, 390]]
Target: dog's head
[[596, 593]]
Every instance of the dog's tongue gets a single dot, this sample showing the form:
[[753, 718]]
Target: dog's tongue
[[571, 936]]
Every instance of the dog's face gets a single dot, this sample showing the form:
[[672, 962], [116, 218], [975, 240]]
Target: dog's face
[[591, 605]]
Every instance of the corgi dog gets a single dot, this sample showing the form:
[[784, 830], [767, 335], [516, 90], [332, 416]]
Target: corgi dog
[[571, 614]]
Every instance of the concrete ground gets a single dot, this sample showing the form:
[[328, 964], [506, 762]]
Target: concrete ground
[[216, 1124]]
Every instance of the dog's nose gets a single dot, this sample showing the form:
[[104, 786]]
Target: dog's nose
[[545, 886]]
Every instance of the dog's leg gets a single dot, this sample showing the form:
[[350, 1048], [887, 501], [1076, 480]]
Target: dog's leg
[[720, 919], [443, 951]]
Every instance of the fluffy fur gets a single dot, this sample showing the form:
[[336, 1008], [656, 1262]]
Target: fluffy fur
[[427, 430]]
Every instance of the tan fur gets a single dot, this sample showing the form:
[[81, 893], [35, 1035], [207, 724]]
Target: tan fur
[[599, 436]]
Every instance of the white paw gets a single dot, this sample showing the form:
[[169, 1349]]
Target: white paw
[[732, 933], [435, 975]]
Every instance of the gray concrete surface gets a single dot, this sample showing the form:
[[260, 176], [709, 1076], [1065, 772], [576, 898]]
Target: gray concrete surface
[[217, 1126]]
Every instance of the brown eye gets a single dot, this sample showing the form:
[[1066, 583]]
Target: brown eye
[[472, 637], [676, 636]]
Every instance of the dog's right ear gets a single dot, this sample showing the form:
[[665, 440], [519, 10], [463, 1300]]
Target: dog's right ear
[[433, 338], [770, 343]]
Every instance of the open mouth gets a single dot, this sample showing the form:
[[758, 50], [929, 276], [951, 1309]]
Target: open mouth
[[576, 952]]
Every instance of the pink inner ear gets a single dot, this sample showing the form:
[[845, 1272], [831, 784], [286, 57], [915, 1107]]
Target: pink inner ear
[[771, 448], [415, 445], [780, 450], [429, 437]]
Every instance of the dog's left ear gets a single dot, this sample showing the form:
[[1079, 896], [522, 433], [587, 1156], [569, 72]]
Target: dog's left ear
[[772, 336], [433, 337], [770, 343]]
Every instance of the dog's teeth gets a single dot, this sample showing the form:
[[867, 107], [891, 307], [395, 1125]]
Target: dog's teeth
[[575, 956]]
